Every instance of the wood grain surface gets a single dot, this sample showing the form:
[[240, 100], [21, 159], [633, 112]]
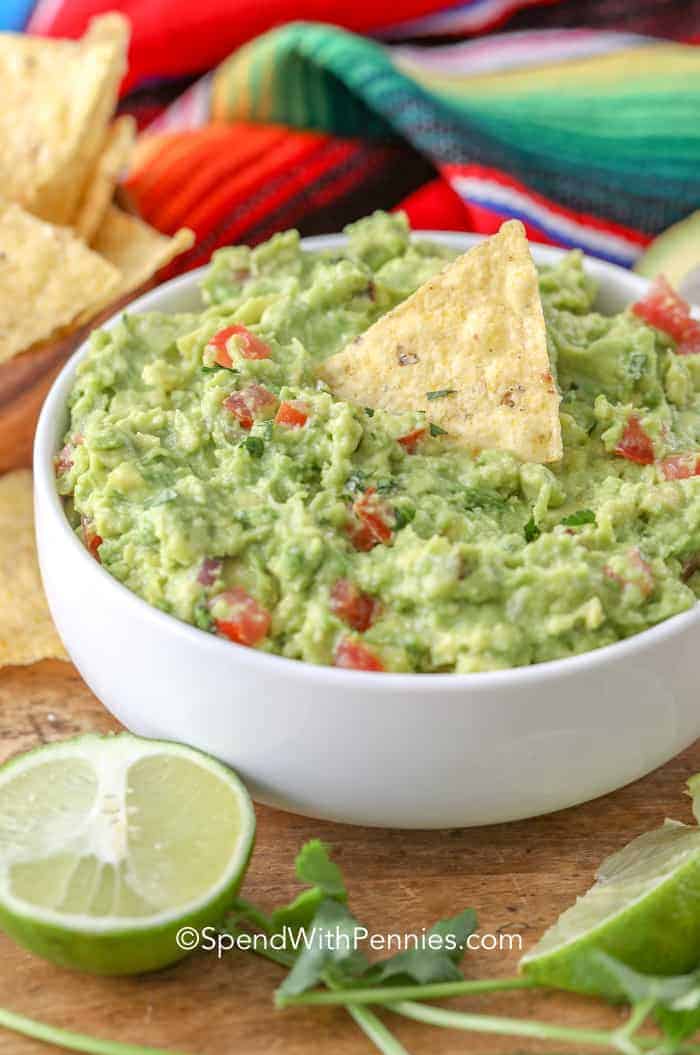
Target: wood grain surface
[[518, 877]]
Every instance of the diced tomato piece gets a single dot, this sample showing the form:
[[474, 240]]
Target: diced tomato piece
[[293, 414], [635, 444], [238, 406], [410, 441], [246, 622], [663, 308], [63, 460], [374, 521], [209, 570], [353, 655], [640, 576], [354, 607], [250, 403], [681, 466], [250, 346], [362, 538], [92, 540]]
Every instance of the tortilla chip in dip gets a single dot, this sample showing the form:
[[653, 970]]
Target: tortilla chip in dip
[[99, 191], [48, 277], [58, 97], [135, 249], [469, 348], [26, 631]]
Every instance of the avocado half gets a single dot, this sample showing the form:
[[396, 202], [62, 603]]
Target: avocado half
[[676, 254]]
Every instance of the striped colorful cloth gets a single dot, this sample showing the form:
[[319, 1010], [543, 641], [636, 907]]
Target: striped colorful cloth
[[589, 135]]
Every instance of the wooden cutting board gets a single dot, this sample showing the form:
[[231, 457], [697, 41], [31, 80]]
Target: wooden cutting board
[[518, 877]]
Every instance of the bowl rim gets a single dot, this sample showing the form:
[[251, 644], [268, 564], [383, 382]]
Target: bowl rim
[[54, 407]]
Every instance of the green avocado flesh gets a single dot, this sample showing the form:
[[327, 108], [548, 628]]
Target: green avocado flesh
[[485, 562]]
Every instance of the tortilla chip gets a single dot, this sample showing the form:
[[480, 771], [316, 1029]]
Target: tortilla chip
[[47, 278], [135, 249], [58, 98], [26, 631], [113, 160], [469, 348]]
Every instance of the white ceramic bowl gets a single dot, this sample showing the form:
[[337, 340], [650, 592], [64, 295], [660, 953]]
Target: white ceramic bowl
[[399, 750]]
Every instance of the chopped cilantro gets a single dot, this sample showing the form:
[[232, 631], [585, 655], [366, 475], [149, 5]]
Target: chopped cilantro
[[386, 486], [440, 393], [482, 498], [369, 411], [581, 516], [636, 365], [435, 430], [531, 531], [255, 446], [403, 515], [202, 617], [355, 483]]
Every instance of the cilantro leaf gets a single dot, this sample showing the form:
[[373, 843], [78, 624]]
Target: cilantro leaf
[[314, 866], [440, 393], [531, 530], [329, 950], [675, 999], [255, 446], [581, 516], [424, 965], [435, 430], [369, 411], [403, 515]]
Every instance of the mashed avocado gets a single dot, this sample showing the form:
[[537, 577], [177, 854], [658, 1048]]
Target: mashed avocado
[[211, 473]]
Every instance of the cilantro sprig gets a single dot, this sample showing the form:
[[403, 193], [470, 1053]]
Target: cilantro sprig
[[321, 973]]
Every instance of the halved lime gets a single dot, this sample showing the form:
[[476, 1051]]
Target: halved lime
[[110, 845], [643, 910]]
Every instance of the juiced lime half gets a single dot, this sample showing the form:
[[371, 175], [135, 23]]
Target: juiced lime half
[[643, 910], [110, 845]]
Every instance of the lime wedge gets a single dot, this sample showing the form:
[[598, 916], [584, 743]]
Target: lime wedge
[[110, 845], [643, 910]]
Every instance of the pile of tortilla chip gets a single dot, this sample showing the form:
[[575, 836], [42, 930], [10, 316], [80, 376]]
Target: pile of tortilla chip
[[26, 631], [66, 251]]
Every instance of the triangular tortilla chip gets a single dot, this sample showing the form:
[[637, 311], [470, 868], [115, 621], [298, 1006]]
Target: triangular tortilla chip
[[48, 278], [469, 348], [58, 96], [113, 160], [135, 249], [26, 631]]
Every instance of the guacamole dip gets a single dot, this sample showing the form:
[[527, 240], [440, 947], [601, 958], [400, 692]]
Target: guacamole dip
[[212, 473]]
